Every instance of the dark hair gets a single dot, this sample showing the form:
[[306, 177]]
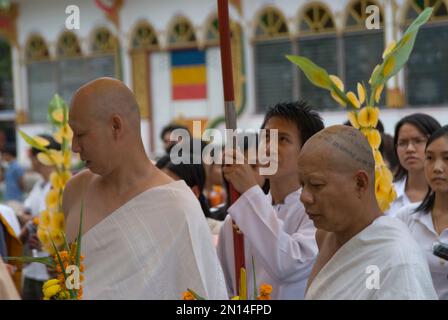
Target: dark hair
[[428, 202], [53, 144], [307, 120], [388, 151], [426, 124], [171, 127]]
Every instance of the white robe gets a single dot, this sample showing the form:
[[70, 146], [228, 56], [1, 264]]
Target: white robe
[[385, 246], [156, 246], [280, 238]]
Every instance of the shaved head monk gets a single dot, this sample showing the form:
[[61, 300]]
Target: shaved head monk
[[362, 254], [144, 235]]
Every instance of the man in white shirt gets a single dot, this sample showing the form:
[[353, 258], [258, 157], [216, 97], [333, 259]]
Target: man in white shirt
[[362, 254], [277, 233]]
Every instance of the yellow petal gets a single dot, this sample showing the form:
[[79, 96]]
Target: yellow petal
[[378, 92], [374, 138], [353, 118], [43, 236], [378, 160], [66, 132], [58, 115], [58, 221], [67, 160], [361, 93], [44, 159], [44, 219], [50, 283], [51, 291], [338, 82], [55, 180], [52, 199], [57, 157], [41, 141], [353, 99], [58, 137], [337, 99], [389, 48], [389, 66], [368, 117], [57, 237], [65, 176]]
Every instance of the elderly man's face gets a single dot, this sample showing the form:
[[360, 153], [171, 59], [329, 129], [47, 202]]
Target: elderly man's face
[[326, 193], [90, 140]]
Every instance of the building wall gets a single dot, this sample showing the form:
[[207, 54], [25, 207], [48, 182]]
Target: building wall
[[47, 17]]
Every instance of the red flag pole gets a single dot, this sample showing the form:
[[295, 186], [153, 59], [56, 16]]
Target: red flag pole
[[230, 116]]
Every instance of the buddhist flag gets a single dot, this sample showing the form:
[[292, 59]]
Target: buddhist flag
[[189, 75]]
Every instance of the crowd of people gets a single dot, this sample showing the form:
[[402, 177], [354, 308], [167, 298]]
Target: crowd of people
[[312, 230]]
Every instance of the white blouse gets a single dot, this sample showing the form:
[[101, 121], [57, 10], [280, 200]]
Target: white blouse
[[402, 199], [422, 229]]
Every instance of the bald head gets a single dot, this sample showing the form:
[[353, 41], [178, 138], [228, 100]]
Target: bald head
[[341, 148], [104, 97]]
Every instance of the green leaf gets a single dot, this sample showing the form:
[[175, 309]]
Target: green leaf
[[400, 55], [31, 141], [195, 295], [44, 260], [79, 238], [317, 75]]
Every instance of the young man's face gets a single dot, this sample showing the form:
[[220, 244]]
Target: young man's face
[[289, 145]]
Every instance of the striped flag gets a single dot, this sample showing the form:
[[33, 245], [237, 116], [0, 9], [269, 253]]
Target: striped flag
[[189, 75]]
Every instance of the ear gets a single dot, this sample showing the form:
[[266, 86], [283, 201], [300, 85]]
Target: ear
[[362, 183], [117, 126]]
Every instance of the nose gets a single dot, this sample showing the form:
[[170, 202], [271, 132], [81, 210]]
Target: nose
[[439, 166], [306, 197], [75, 145]]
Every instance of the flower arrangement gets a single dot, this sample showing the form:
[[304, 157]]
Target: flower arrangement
[[65, 259], [365, 118], [264, 292]]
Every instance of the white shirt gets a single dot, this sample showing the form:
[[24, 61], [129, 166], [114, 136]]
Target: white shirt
[[402, 199], [35, 203], [422, 229], [280, 238], [382, 262]]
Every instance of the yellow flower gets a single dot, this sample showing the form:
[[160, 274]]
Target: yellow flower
[[389, 48], [373, 136], [67, 160], [52, 199], [353, 99], [51, 291], [58, 115], [56, 180], [338, 83], [41, 141], [44, 218], [57, 237], [50, 283], [378, 158], [58, 221], [353, 118], [57, 157], [187, 295], [43, 236], [368, 117], [389, 66], [361, 93], [45, 159], [378, 92], [235, 298], [65, 132]]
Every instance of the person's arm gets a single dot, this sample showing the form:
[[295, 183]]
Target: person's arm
[[286, 255], [224, 250]]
